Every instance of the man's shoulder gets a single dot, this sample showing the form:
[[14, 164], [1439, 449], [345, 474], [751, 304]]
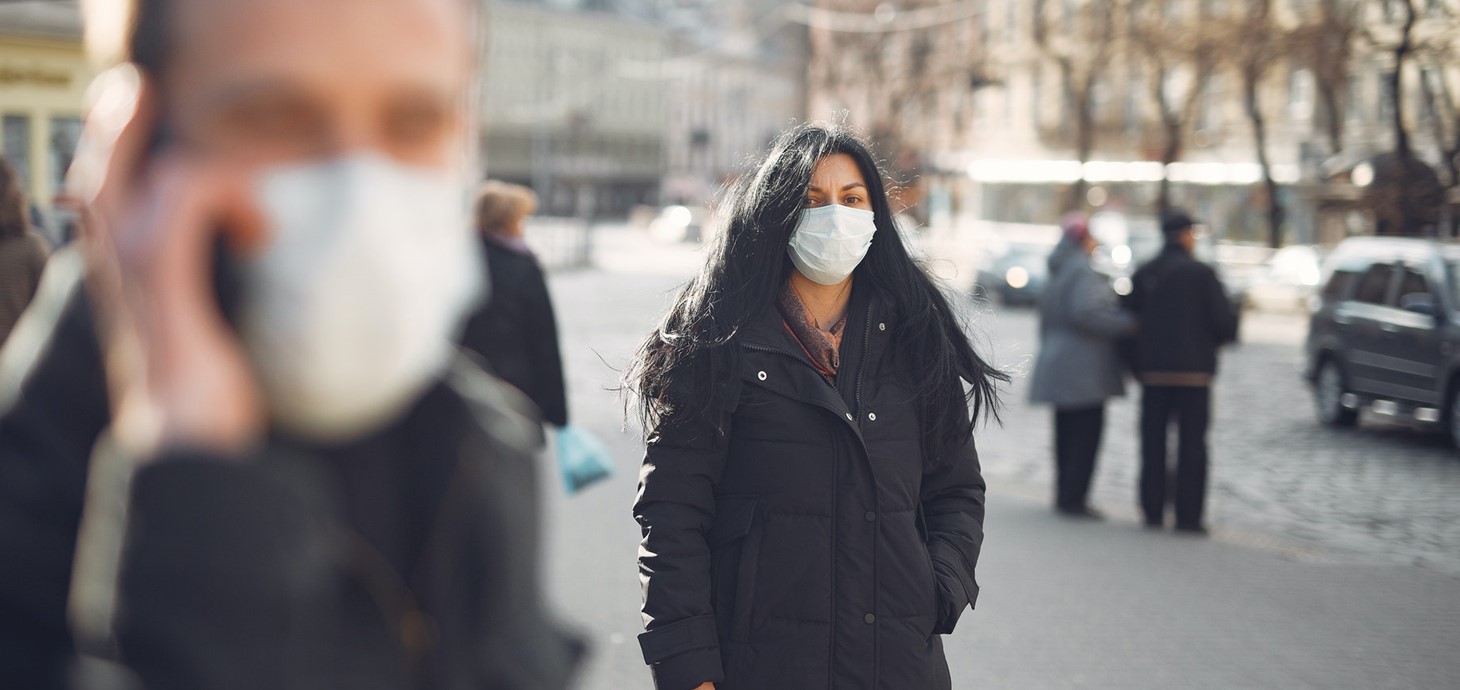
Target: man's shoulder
[[501, 411]]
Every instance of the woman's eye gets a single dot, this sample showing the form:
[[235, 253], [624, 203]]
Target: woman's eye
[[852, 200]]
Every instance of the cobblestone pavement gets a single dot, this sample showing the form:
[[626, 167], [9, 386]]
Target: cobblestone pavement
[[1385, 490], [1333, 562]]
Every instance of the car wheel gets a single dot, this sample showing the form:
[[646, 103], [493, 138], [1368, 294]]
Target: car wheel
[[1330, 391]]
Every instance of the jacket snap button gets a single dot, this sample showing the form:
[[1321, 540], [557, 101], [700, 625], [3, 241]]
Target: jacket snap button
[[872, 416], [870, 618], [871, 516], [881, 326], [850, 418], [761, 376]]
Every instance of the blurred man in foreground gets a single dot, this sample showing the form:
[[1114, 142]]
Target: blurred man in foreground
[[1185, 318], [290, 479]]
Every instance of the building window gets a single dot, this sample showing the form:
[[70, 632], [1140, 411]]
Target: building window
[[16, 145], [1300, 94], [1134, 86], [65, 132], [1036, 94]]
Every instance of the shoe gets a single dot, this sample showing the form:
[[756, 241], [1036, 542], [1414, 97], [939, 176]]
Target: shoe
[[1156, 524], [1191, 530], [1081, 513]]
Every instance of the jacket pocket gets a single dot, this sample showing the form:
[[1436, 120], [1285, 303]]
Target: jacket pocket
[[734, 540], [936, 604]]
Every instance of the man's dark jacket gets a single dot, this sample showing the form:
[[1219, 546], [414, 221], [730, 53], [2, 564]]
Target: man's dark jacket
[[405, 560], [516, 332], [813, 544], [1184, 314]]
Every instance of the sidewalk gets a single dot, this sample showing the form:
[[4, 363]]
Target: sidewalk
[[1064, 605]]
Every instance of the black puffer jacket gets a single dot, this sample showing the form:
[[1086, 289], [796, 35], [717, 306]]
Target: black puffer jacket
[[811, 545]]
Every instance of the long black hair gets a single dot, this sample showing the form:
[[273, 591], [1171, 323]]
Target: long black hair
[[747, 268]]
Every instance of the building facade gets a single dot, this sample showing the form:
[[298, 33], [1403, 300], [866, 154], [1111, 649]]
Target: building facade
[[575, 105], [738, 81], [984, 99], [44, 74]]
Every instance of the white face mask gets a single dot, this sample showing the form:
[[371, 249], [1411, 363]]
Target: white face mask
[[349, 313], [830, 241]]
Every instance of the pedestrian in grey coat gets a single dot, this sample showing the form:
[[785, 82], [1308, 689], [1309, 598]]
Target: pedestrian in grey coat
[[1078, 367]]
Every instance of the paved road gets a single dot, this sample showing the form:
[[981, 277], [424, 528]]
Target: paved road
[[1335, 563]]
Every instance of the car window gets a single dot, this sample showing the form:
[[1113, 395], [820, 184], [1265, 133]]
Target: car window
[[1337, 287], [1413, 283], [1374, 285]]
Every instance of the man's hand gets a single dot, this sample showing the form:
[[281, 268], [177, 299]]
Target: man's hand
[[176, 371], [706, 686]]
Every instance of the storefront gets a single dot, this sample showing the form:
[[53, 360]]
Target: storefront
[[43, 79]]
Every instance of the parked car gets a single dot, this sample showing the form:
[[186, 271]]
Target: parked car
[[678, 224], [1286, 282], [1385, 332], [1015, 274]]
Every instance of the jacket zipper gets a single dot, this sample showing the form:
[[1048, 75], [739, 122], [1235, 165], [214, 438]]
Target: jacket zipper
[[877, 526], [866, 343], [796, 356]]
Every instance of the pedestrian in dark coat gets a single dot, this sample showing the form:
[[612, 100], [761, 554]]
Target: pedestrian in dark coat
[[1185, 318], [23, 251], [407, 559], [515, 330], [1078, 368], [811, 501], [243, 452]]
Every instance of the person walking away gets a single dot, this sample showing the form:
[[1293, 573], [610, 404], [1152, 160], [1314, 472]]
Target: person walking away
[[248, 454], [811, 501], [1185, 318], [1078, 368], [515, 330], [23, 251]]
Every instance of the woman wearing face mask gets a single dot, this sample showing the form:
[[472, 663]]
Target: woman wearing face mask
[[811, 501]]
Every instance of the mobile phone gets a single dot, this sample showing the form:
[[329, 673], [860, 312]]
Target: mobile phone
[[227, 274]]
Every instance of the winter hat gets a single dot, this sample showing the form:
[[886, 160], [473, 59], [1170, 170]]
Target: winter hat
[[1176, 221], [1076, 226]]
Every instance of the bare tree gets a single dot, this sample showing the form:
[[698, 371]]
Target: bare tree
[[1324, 44], [895, 79], [1082, 56], [1183, 54], [1406, 195], [1258, 44], [1438, 55]]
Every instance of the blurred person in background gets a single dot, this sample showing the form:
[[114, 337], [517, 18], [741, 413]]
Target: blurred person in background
[[811, 500], [516, 333], [515, 330], [1185, 318], [245, 417], [1080, 319], [23, 251]]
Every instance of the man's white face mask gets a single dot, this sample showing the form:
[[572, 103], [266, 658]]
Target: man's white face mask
[[349, 313]]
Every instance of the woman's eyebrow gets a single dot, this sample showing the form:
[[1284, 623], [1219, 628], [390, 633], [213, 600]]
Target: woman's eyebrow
[[855, 185]]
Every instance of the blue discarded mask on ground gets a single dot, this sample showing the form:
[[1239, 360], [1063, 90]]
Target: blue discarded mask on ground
[[582, 459]]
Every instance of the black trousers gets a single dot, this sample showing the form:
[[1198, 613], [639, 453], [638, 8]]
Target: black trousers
[[1191, 408], [1077, 435]]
